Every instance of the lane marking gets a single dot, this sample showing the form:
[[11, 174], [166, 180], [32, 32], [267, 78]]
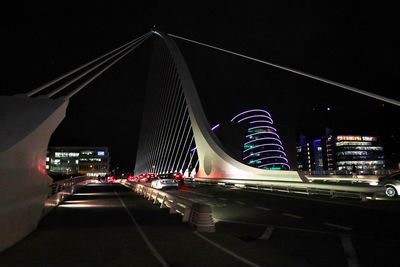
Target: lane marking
[[190, 199], [262, 208], [293, 215], [240, 202], [338, 226], [227, 251], [276, 226], [198, 193], [267, 233], [349, 251], [142, 234]]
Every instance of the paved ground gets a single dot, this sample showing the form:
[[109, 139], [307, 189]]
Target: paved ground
[[109, 225], [92, 228]]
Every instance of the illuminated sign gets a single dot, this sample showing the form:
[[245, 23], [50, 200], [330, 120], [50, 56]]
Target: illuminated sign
[[355, 138], [349, 138], [369, 138], [100, 153]]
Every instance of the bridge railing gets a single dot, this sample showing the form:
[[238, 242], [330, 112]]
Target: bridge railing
[[196, 214], [348, 173], [60, 189], [358, 191], [366, 179]]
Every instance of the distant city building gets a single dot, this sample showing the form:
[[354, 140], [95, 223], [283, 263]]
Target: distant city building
[[338, 154], [262, 146], [90, 161]]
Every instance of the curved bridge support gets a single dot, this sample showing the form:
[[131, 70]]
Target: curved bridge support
[[26, 128], [214, 162]]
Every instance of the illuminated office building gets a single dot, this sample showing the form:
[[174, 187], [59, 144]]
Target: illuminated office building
[[338, 154], [90, 161], [262, 146]]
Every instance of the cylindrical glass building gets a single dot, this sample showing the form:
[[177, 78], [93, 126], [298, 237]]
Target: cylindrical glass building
[[262, 147]]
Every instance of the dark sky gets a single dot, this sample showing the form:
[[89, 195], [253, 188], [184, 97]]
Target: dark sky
[[353, 42]]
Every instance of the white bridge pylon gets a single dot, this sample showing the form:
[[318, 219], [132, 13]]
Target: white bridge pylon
[[214, 162]]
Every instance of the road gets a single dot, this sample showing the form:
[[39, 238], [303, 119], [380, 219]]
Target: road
[[320, 229], [109, 225]]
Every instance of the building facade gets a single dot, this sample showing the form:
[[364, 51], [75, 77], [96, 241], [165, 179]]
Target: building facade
[[90, 161], [262, 146], [337, 154]]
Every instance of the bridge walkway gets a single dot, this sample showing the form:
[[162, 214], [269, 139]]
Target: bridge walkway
[[109, 225]]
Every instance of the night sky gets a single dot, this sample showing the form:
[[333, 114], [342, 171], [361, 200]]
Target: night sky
[[353, 43]]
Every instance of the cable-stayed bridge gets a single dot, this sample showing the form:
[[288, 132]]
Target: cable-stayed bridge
[[175, 133]]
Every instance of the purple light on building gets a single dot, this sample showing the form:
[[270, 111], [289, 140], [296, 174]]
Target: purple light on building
[[261, 139]]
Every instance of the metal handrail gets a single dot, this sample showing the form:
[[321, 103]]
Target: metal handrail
[[198, 215], [174, 203], [352, 191], [60, 189]]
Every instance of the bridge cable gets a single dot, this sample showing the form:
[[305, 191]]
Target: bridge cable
[[104, 69], [166, 116], [177, 130], [172, 131], [344, 86], [164, 105], [44, 86], [181, 136], [191, 157], [157, 114], [152, 94], [172, 118], [187, 155], [186, 138], [187, 152], [91, 69]]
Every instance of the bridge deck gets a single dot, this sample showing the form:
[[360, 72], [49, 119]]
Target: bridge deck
[[93, 228]]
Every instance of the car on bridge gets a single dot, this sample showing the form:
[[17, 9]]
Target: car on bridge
[[111, 178], [391, 183], [174, 175], [163, 183]]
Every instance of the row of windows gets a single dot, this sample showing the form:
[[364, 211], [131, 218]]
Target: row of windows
[[347, 143], [352, 153], [66, 154], [356, 162], [90, 160], [65, 161], [363, 148]]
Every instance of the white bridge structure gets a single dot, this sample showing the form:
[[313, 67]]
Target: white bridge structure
[[176, 136]]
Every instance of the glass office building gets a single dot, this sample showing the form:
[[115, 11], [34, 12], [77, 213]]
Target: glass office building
[[90, 161], [365, 152], [337, 154]]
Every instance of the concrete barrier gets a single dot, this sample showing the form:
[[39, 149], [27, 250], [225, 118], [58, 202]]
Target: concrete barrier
[[197, 215], [201, 218]]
